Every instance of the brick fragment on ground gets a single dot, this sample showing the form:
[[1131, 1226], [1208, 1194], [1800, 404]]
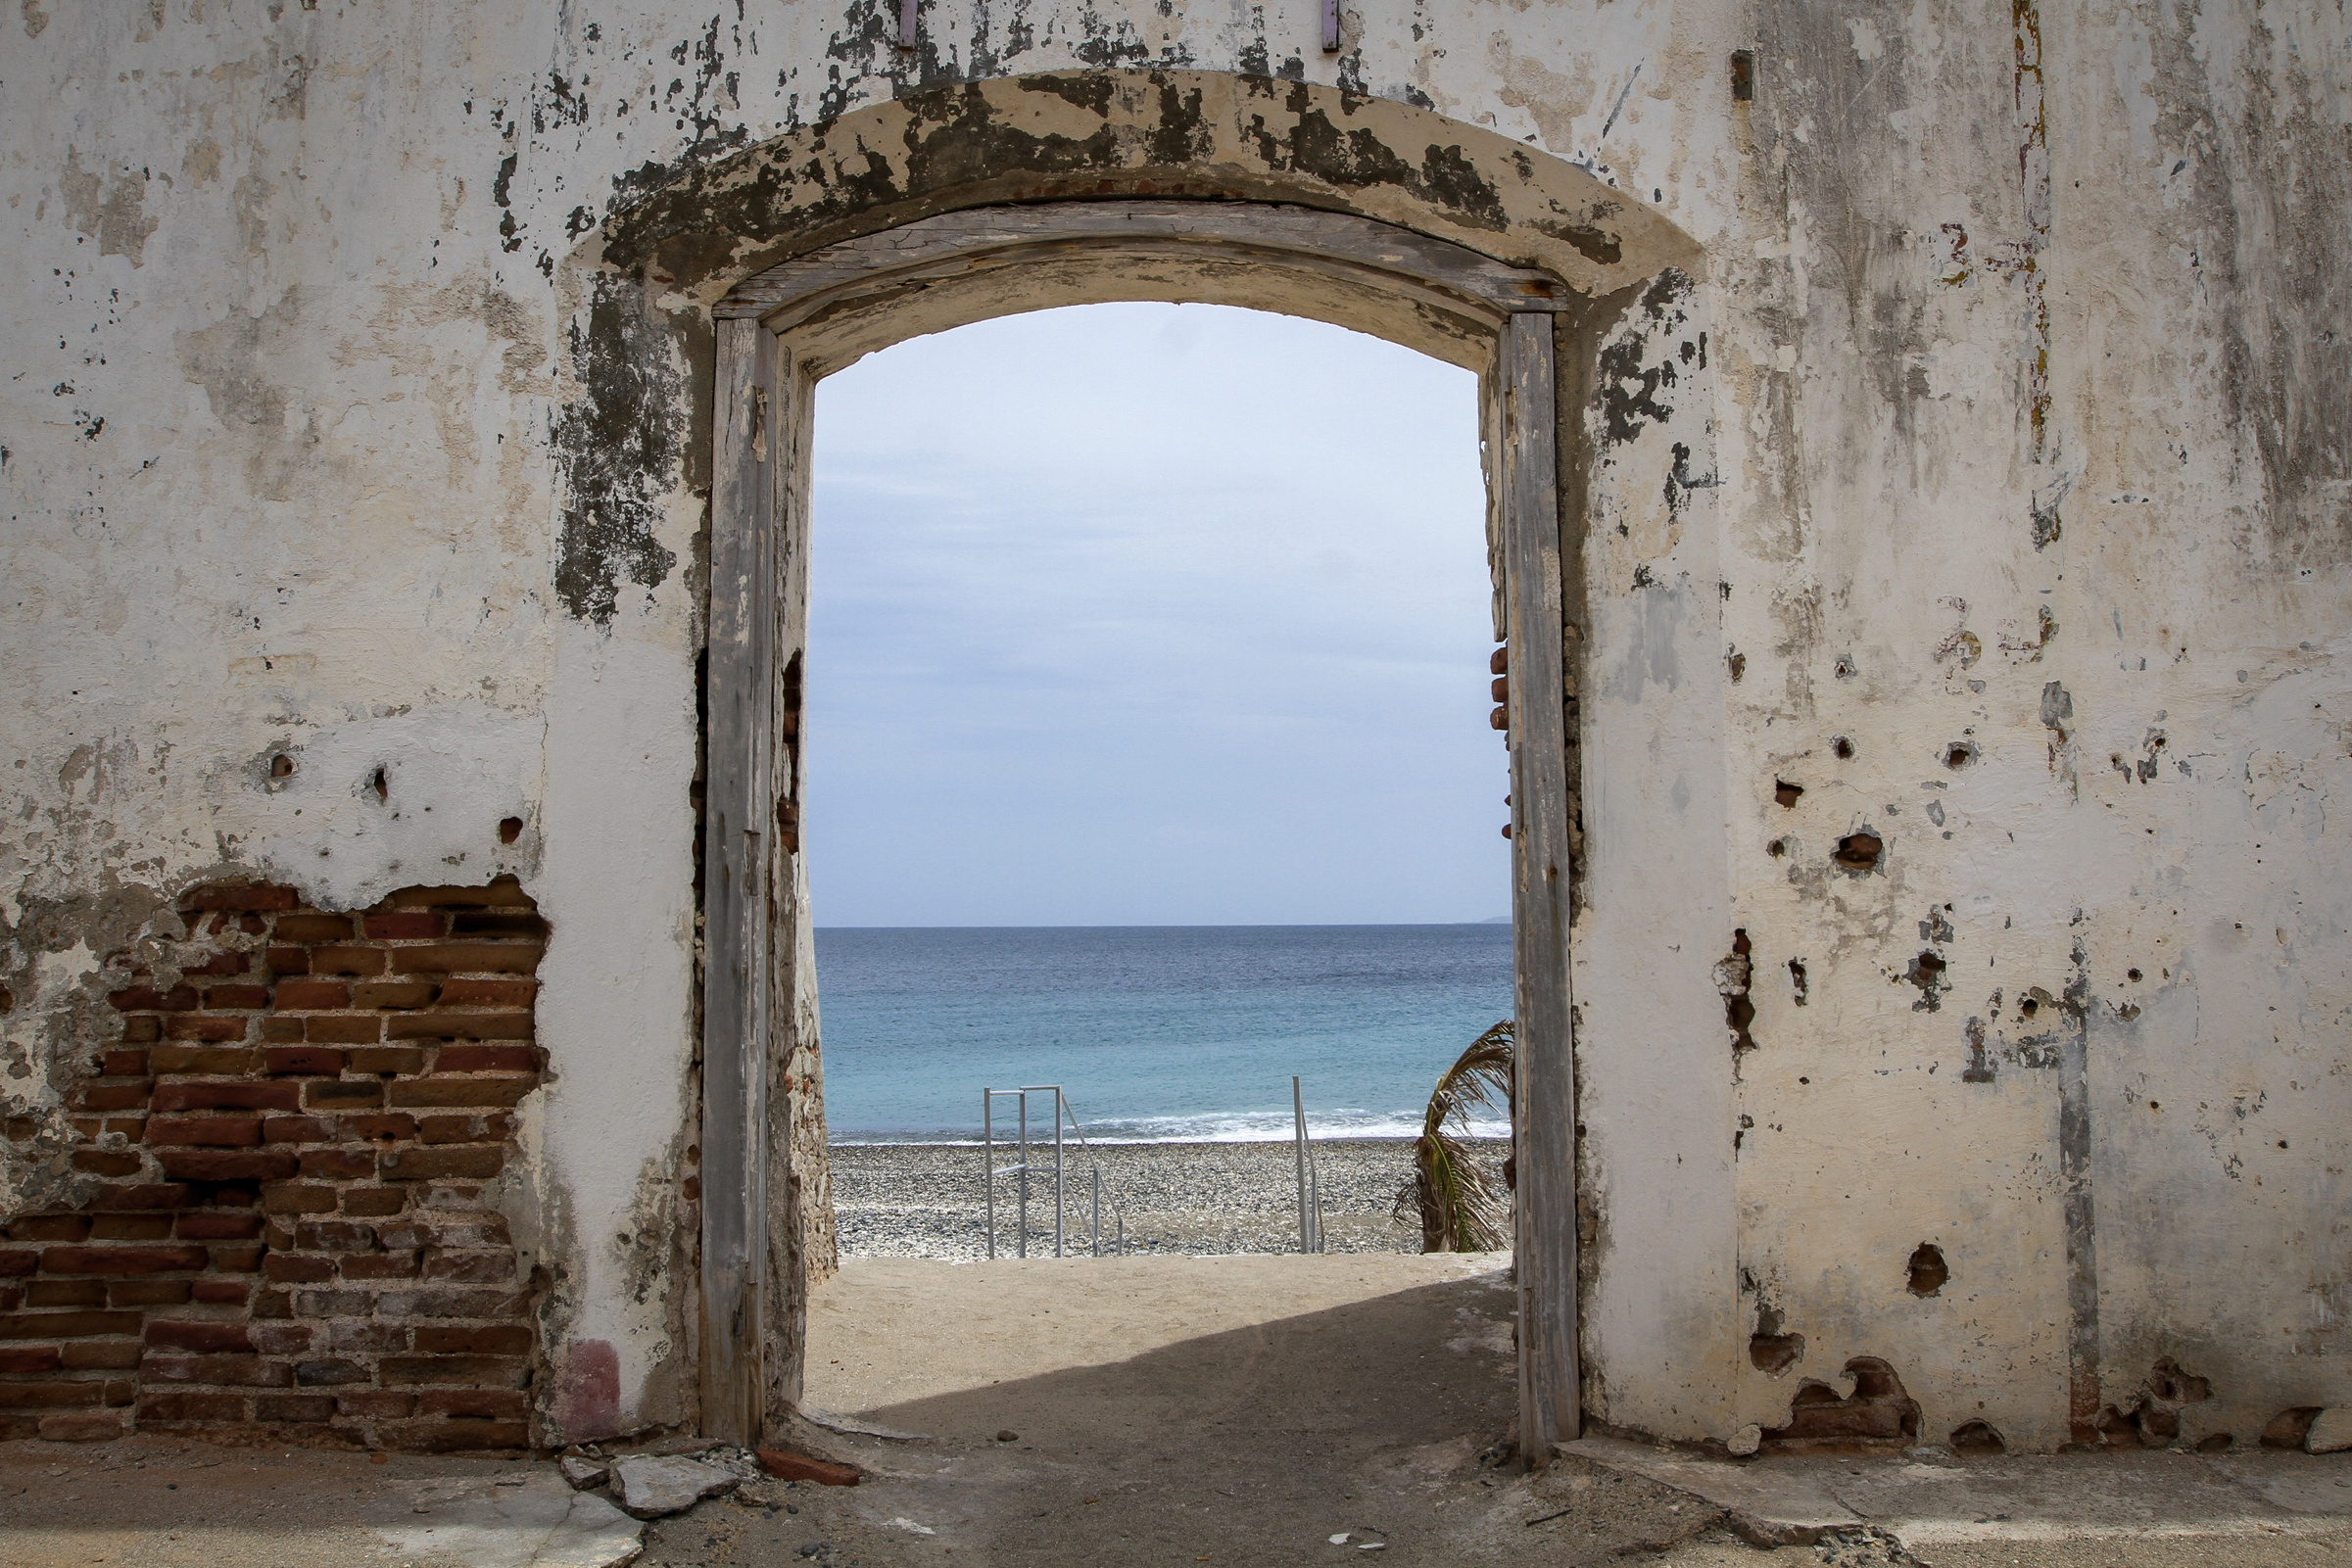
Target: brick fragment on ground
[[785, 1465]]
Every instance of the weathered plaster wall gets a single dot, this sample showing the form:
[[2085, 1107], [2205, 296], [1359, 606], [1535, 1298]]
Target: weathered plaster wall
[[2023, 460], [2003, 421]]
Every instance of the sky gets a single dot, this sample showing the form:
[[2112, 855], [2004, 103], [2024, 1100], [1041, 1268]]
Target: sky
[[1150, 615]]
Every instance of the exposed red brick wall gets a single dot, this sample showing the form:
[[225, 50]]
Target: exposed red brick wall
[[285, 1239]]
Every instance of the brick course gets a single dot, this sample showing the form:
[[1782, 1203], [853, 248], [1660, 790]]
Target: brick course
[[284, 1239]]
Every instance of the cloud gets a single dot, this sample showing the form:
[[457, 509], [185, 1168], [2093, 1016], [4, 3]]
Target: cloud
[[1150, 614]]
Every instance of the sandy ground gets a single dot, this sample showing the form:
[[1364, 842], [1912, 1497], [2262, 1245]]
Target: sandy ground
[[1239, 1410], [926, 1200]]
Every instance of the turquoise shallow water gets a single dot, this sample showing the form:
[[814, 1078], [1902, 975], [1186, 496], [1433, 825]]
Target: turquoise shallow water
[[1156, 1033]]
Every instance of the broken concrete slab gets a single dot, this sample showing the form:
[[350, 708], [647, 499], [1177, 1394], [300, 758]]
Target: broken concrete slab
[[651, 1485], [533, 1521], [1770, 1504], [585, 1474], [2299, 1483], [1928, 1499], [2049, 1496]]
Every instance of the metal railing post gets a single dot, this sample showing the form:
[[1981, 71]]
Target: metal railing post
[[1021, 1169], [1298, 1119], [1314, 1196]]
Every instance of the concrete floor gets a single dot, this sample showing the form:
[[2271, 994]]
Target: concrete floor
[[1234, 1410]]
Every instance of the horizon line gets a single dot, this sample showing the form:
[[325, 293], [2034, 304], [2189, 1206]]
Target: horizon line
[[1193, 925]]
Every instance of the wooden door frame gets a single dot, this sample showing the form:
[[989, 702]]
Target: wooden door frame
[[781, 332]]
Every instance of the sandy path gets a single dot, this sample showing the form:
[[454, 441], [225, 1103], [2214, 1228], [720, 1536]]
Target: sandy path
[[1235, 1410], [993, 1325], [1238, 1411]]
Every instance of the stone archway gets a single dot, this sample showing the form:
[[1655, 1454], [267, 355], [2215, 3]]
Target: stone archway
[[1018, 194]]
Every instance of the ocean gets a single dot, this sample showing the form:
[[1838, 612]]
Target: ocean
[[1185, 1034]]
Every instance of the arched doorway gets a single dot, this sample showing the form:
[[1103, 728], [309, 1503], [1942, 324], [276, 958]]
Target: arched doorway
[[996, 198]]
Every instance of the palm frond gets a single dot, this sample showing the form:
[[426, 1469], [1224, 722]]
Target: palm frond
[[1463, 1204]]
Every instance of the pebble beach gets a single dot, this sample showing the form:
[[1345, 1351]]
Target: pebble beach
[[924, 1200]]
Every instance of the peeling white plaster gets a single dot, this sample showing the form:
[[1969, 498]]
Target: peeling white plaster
[[292, 303]]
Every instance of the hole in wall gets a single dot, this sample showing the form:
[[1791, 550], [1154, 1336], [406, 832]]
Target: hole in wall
[[1929, 1271], [1770, 1350], [1927, 972], [1846, 666], [377, 781], [1777, 848], [2153, 1418], [2027, 1007], [1959, 754], [1878, 1413], [1738, 665], [1732, 978], [1742, 75], [281, 766], [1785, 792], [1860, 853], [2289, 1427], [1796, 980], [1977, 1439], [510, 829], [2140, 1427], [1841, 748], [2166, 1381]]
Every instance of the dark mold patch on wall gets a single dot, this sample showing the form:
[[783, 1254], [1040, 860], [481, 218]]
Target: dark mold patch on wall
[[1629, 389], [961, 145], [2251, 158], [619, 445]]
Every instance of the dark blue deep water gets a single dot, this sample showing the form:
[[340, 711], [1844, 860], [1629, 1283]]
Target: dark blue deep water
[[1188, 1032]]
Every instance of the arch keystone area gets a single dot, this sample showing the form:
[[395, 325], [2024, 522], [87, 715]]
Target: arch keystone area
[[1074, 135]]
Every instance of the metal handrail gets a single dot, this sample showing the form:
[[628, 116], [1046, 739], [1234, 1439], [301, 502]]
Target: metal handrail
[[1023, 1168]]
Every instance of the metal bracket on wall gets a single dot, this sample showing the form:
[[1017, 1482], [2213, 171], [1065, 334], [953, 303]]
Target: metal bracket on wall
[[1330, 25]]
